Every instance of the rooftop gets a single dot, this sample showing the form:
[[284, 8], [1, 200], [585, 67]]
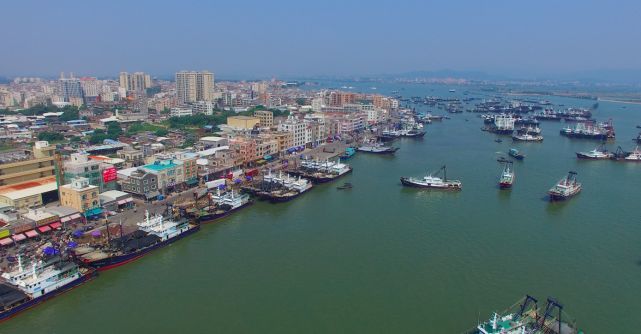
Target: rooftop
[[160, 165], [27, 185]]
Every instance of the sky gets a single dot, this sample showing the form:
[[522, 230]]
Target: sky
[[254, 38]]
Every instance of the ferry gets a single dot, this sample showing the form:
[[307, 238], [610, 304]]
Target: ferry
[[431, 181], [599, 153], [507, 176], [153, 232], [514, 153], [30, 286], [222, 205], [566, 188], [377, 148]]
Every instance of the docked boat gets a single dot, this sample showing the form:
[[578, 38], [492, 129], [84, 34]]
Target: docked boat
[[321, 172], [348, 154], [283, 188], [566, 188], [599, 153], [590, 130], [507, 176], [527, 137], [29, 286], [431, 181], [222, 204], [377, 148], [634, 156], [413, 133], [153, 232], [516, 154]]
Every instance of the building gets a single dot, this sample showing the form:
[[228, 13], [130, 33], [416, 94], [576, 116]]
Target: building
[[285, 140], [180, 112], [266, 118], [137, 81], [30, 194], [168, 173], [99, 174], [140, 183], [132, 157], [81, 196], [69, 89], [115, 200], [194, 86], [20, 165], [296, 128], [243, 122], [203, 107]]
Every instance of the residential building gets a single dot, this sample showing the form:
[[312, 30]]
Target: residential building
[[168, 173], [203, 107], [99, 174], [81, 196], [266, 118], [180, 112], [137, 81], [20, 165], [141, 183], [194, 86], [296, 127], [69, 89]]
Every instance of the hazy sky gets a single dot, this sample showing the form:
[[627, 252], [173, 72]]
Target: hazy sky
[[263, 38]]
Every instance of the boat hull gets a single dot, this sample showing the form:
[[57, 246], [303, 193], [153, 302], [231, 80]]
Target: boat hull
[[557, 197], [119, 260], [390, 150], [590, 157], [505, 185], [8, 314]]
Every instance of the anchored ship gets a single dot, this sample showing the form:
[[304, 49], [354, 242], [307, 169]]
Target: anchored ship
[[431, 181], [377, 148], [590, 130], [599, 153], [516, 154], [507, 176], [566, 188], [27, 287], [222, 204]]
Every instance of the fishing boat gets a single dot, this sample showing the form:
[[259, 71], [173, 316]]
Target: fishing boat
[[345, 186], [222, 204], [516, 154], [507, 176], [413, 133], [638, 138], [153, 232], [29, 286], [283, 189], [566, 188], [498, 140], [431, 181], [599, 153], [525, 317], [634, 156], [377, 148], [527, 137], [590, 130]]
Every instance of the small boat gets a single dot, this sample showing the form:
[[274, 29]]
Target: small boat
[[348, 154], [345, 186], [566, 188], [634, 156], [599, 153], [503, 160], [514, 153], [431, 181], [507, 176], [498, 140]]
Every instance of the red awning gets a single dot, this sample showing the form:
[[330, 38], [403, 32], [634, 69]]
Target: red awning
[[31, 233], [18, 237], [55, 225], [6, 241], [45, 228]]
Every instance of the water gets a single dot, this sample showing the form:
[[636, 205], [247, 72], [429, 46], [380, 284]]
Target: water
[[381, 258]]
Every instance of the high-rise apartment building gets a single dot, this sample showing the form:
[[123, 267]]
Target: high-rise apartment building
[[137, 81], [69, 88], [194, 86]]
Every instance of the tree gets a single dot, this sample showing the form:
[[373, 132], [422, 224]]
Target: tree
[[70, 114], [50, 136], [98, 136], [161, 132], [113, 130]]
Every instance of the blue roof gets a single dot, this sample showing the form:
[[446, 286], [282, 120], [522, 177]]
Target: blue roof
[[158, 166]]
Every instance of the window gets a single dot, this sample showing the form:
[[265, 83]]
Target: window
[[84, 196]]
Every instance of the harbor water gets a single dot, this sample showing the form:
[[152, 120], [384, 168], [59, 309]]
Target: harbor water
[[381, 258]]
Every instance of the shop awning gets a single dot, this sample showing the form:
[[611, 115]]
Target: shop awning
[[6, 241], [18, 237], [76, 216], [55, 225], [122, 202], [31, 233], [93, 212], [65, 219], [45, 228]]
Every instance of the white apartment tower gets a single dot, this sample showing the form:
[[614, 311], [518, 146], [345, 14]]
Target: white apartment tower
[[194, 86], [137, 81]]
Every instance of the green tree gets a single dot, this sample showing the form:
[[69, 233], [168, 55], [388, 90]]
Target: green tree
[[113, 130], [98, 136], [161, 132], [51, 136]]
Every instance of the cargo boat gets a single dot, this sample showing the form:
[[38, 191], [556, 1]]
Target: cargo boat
[[566, 188], [153, 233], [507, 176], [222, 205], [28, 287], [516, 154], [433, 182]]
